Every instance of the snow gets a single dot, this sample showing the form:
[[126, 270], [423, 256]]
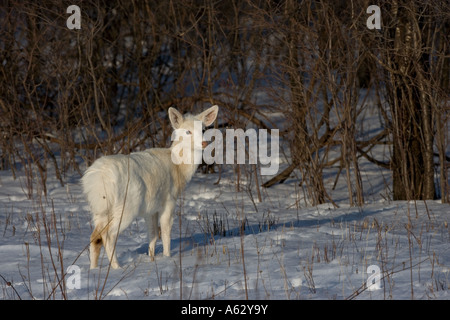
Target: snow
[[288, 248]]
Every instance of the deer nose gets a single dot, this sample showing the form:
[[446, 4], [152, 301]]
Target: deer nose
[[204, 144]]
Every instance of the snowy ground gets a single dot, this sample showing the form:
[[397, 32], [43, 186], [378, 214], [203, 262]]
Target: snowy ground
[[288, 249]]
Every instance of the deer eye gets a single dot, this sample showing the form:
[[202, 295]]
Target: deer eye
[[188, 132]]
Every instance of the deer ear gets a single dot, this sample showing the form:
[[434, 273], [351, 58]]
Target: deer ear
[[208, 116], [176, 118]]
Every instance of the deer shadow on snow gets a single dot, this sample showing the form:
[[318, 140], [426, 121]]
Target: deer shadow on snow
[[220, 229]]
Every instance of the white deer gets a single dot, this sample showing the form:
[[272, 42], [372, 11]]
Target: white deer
[[120, 188]]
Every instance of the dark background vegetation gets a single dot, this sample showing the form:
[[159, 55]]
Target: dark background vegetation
[[70, 96]]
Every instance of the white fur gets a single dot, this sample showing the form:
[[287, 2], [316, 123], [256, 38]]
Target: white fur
[[120, 188]]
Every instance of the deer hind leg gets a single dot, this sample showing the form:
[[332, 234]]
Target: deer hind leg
[[109, 241], [96, 245], [106, 235]]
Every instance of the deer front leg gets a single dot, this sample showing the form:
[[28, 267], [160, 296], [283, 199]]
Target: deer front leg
[[166, 222], [152, 227]]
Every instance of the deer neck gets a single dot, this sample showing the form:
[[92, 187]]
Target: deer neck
[[183, 172]]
